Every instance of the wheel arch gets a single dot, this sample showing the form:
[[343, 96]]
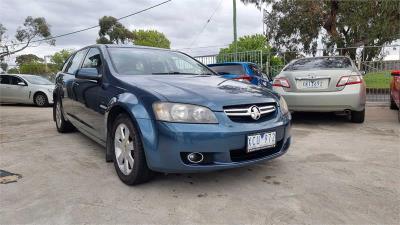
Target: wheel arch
[[110, 116], [39, 92]]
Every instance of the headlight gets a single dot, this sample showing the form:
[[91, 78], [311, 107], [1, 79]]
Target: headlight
[[283, 105], [183, 113]]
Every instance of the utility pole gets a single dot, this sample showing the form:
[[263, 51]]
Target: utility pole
[[234, 28]]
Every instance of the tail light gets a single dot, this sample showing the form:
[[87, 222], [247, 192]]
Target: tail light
[[348, 80], [281, 82], [243, 78], [395, 73]]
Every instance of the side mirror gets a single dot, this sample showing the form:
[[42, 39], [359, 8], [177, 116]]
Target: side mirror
[[363, 73], [395, 73], [88, 74], [22, 84]]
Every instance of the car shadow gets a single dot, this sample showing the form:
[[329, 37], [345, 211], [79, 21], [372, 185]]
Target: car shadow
[[319, 118], [263, 172], [23, 105]]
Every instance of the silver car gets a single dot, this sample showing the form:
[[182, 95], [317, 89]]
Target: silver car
[[323, 84], [28, 89]]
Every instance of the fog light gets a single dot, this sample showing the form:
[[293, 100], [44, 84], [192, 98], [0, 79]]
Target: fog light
[[195, 157]]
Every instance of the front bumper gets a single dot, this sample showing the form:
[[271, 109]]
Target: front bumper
[[223, 144], [352, 97]]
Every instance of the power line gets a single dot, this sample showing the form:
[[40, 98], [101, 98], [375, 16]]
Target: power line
[[92, 27], [207, 22]]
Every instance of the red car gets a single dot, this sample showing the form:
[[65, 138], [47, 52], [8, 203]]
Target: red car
[[395, 91]]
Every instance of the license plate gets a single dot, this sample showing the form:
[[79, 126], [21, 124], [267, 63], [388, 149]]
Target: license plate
[[314, 84], [261, 141]]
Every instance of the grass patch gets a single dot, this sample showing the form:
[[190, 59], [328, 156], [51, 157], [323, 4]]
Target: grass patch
[[378, 79]]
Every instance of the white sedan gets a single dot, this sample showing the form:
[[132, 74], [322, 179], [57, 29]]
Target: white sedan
[[27, 89]]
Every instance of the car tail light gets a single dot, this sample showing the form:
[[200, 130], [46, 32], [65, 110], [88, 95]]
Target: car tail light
[[348, 80], [243, 78], [281, 82], [395, 73]]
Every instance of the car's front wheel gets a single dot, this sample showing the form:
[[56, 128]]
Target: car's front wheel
[[128, 153], [41, 100], [358, 116]]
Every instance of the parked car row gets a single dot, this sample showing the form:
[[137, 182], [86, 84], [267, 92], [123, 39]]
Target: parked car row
[[161, 110]]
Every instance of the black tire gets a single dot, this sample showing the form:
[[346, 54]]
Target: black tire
[[398, 115], [140, 173], [41, 100], [62, 125], [358, 116], [392, 103]]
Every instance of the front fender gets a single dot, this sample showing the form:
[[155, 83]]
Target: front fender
[[141, 116]]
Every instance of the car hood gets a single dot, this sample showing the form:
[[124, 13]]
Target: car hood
[[213, 92]]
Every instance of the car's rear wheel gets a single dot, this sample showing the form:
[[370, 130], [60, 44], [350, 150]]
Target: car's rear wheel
[[393, 103], [41, 100], [62, 125], [358, 116], [128, 153]]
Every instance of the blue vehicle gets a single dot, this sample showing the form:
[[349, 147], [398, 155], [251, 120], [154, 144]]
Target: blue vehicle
[[242, 71], [161, 110]]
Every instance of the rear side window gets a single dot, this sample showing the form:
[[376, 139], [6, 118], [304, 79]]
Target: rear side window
[[4, 79], [255, 70], [228, 69], [320, 63], [75, 62]]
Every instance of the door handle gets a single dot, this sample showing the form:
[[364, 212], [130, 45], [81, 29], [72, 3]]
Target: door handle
[[76, 84]]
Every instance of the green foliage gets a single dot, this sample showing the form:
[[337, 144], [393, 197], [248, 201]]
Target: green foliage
[[112, 31], [4, 66], [27, 58], [378, 79], [38, 69], [32, 28], [150, 38], [254, 43], [248, 43], [13, 70], [60, 57], [298, 24]]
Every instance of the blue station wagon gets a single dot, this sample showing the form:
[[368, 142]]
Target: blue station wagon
[[242, 71], [161, 110]]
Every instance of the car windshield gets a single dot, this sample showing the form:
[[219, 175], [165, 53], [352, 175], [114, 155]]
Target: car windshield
[[137, 61], [320, 63], [228, 69], [37, 80]]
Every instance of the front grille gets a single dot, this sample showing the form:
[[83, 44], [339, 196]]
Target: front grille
[[243, 113], [240, 155]]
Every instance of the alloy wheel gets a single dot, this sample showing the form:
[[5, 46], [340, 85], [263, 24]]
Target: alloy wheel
[[40, 100], [58, 114], [123, 147]]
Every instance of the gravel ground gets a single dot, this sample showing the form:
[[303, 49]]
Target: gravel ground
[[335, 172]]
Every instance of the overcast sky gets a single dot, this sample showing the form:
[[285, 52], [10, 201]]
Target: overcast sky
[[180, 20]]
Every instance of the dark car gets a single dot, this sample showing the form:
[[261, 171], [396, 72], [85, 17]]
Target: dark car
[[395, 91], [161, 110], [242, 71]]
